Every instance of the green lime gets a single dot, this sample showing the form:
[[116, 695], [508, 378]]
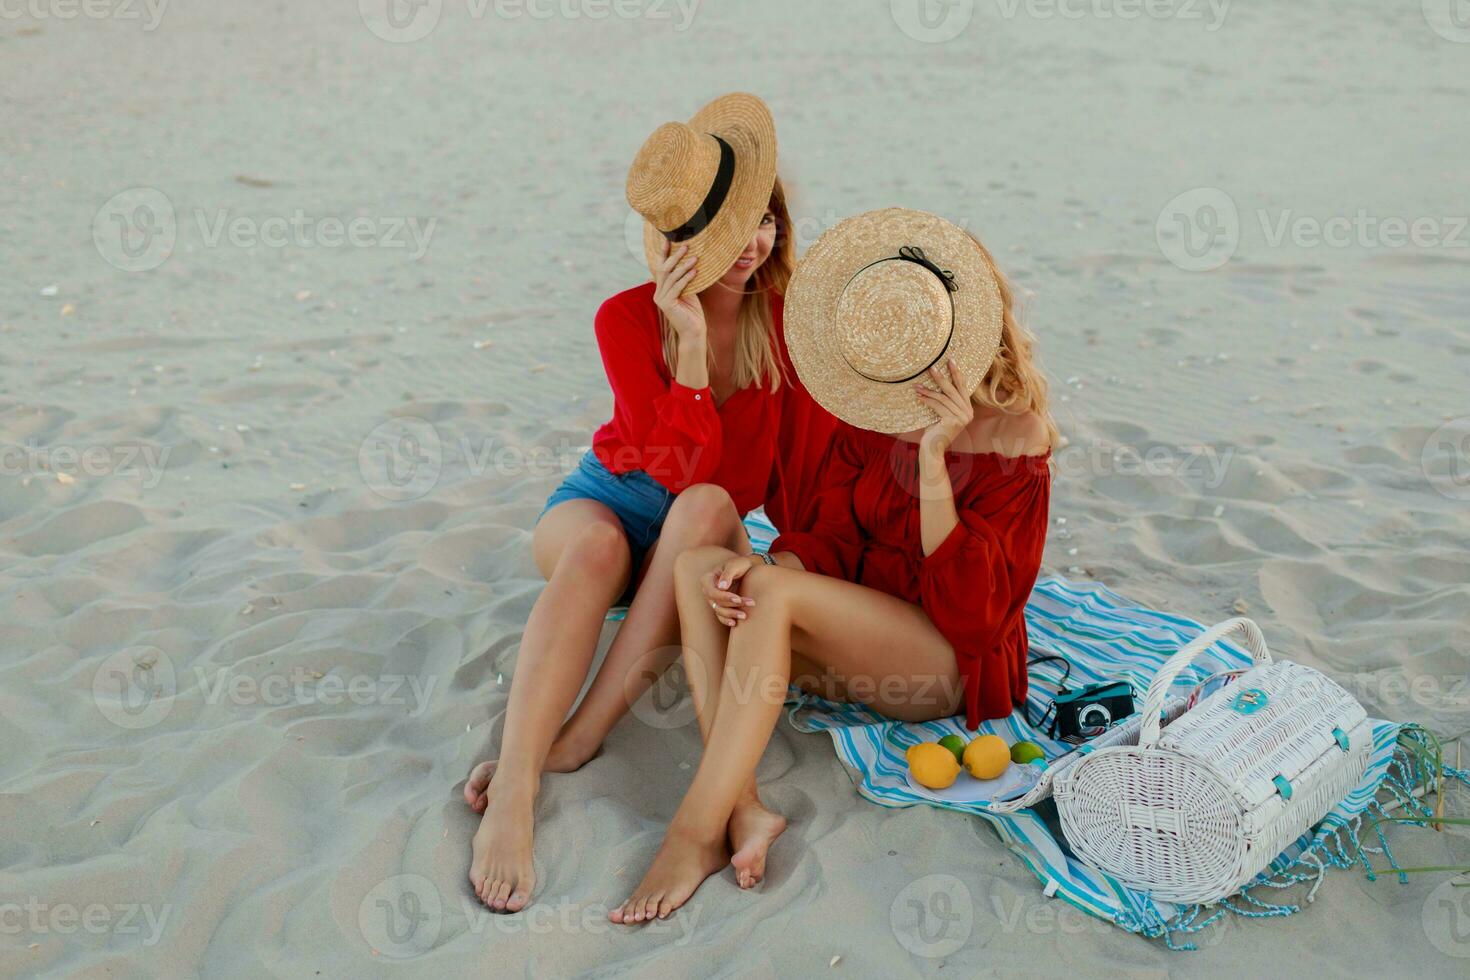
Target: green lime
[[1024, 752], [956, 745]]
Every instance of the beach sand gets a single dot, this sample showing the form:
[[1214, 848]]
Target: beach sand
[[271, 469]]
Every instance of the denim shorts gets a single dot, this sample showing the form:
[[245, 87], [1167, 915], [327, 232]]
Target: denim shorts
[[640, 502]]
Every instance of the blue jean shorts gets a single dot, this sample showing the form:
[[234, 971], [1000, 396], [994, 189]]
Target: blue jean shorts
[[640, 502]]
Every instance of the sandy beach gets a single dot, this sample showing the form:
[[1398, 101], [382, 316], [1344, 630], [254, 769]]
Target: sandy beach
[[296, 338]]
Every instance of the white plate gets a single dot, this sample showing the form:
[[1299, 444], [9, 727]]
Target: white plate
[[1016, 781]]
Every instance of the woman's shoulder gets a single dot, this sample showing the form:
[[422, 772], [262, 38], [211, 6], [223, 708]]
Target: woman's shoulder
[[630, 307], [1019, 434]]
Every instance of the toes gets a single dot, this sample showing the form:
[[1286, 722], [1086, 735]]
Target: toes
[[616, 915], [665, 906], [499, 892], [518, 898], [477, 784]]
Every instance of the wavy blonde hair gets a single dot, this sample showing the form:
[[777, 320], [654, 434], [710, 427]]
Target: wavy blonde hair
[[1015, 383], [756, 357]]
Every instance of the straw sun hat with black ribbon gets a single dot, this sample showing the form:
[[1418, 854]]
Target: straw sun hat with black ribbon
[[878, 300], [706, 184]]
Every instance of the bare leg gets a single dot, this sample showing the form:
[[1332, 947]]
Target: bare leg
[[752, 828], [880, 650], [581, 548], [647, 642]]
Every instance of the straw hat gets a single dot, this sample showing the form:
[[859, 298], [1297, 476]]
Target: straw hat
[[706, 184], [878, 300]]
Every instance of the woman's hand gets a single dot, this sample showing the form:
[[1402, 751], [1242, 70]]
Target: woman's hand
[[729, 606], [954, 408], [685, 313]]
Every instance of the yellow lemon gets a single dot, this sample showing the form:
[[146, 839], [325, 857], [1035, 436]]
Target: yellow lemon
[[932, 765], [987, 757]]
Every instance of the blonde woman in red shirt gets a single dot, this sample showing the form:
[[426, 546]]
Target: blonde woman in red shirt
[[708, 424], [907, 593]]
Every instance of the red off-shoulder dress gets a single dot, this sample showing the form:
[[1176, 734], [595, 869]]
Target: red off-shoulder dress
[[974, 586], [761, 447]]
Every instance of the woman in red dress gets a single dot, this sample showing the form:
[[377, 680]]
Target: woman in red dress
[[708, 423], [908, 592]]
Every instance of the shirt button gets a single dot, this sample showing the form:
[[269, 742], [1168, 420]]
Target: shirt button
[[698, 397]]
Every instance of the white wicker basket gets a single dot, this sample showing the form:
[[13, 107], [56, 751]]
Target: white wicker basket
[[1194, 813]]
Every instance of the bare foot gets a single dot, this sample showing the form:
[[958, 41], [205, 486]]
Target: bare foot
[[680, 867], [565, 756], [501, 870], [753, 829]]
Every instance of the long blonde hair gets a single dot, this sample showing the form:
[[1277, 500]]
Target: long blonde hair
[[1014, 383], [756, 359]]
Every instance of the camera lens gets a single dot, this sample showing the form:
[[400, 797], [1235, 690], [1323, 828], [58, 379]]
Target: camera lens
[[1094, 716]]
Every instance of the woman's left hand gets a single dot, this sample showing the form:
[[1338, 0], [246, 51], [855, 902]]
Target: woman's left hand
[[954, 408], [719, 589]]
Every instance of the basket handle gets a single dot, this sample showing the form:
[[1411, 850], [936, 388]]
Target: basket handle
[[1158, 689]]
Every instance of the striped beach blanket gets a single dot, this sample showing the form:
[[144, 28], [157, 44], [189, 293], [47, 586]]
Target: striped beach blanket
[[1105, 637]]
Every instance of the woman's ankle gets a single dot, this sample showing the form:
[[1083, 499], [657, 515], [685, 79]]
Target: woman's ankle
[[516, 781]]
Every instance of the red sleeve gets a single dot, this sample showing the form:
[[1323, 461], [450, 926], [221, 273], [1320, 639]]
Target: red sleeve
[[677, 428], [965, 586], [834, 545], [974, 589], [802, 438]]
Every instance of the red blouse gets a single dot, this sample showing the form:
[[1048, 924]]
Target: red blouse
[[763, 448], [974, 586]]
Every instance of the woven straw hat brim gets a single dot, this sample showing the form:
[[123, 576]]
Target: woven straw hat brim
[[743, 121], [813, 333]]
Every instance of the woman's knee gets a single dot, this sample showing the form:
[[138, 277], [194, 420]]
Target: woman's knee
[[702, 513], [771, 586], [600, 546], [692, 564]]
